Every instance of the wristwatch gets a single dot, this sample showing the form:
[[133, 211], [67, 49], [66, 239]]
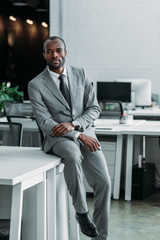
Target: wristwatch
[[76, 124]]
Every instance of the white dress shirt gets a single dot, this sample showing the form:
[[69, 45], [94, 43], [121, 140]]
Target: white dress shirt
[[55, 77]]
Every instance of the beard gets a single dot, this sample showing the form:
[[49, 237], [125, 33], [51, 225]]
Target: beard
[[53, 66]]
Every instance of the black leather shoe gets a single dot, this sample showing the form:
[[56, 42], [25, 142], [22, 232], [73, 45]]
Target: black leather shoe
[[86, 224]]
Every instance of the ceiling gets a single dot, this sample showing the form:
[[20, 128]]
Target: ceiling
[[26, 8], [29, 3]]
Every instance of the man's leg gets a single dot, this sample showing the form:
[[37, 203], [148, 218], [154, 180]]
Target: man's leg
[[96, 172], [70, 152], [73, 173]]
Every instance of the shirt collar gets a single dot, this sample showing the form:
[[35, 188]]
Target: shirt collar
[[56, 75]]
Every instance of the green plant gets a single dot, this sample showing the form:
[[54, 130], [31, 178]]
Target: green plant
[[2, 99], [10, 94]]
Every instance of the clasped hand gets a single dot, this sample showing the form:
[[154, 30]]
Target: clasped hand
[[89, 142], [62, 128]]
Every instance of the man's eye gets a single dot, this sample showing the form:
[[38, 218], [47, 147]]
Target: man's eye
[[59, 50], [49, 52]]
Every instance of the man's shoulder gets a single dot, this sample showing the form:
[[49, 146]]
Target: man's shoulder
[[74, 69], [39, 77]]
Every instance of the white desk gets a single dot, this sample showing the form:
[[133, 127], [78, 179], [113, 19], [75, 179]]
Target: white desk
[[148, 128], [150, 112], [116, 129], [146, 113], [100, 129], [22, 168]]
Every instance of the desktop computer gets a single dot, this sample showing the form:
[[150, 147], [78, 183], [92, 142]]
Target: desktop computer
[[143, 181]]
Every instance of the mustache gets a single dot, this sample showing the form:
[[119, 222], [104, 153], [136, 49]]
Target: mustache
[[53, 58]]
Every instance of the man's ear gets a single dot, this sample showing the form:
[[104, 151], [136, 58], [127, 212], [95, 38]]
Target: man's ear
[[44, 55], [65, 52]]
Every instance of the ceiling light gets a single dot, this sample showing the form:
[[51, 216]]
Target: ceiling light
[[44, 24], [12, 18], [41, 7], [30, 22], [20, 3]]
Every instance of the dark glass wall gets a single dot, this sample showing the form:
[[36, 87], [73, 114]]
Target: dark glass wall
[[21, 48]]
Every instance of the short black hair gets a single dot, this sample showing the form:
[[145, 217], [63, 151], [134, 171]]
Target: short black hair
[[53, 38]]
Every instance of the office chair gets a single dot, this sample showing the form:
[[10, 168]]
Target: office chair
[[111, 109], [32, 134], [10, 134]]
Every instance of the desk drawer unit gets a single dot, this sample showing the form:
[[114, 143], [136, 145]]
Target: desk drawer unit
[[109, 151]]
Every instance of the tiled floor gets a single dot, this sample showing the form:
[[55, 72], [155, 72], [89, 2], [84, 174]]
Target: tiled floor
[[135, 220]]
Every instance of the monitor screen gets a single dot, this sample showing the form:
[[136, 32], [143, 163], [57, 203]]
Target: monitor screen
[[141, 90], [114, 91]]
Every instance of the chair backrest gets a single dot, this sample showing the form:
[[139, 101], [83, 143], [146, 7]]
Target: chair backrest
[[10, 134], [111, 109], [7, 107], [18, 109], [27, 122]]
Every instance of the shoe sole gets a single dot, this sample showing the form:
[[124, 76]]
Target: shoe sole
[[93, 236], [90, 235]]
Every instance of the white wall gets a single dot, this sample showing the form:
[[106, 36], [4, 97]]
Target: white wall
[[111, 38]]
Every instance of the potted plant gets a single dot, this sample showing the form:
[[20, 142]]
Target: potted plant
[[13, 94], [8, 93], [2, 98]]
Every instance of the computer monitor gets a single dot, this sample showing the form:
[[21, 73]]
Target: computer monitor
[[114, 91], [141, 91]]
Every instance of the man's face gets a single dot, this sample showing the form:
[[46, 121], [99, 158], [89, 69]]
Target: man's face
[[55, 55]]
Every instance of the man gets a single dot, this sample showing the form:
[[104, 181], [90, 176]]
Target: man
[[65, 107]]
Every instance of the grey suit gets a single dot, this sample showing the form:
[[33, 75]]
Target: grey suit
[[50, 109]]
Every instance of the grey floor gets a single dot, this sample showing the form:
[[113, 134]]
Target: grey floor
[[134, 220]]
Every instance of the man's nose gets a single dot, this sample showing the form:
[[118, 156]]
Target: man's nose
[[54, 54]]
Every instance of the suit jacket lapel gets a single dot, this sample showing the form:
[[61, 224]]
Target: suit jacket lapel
[[51, 85]]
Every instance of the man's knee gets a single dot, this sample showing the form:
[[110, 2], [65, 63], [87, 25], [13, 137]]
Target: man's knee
[[72, 157], [104, 182]]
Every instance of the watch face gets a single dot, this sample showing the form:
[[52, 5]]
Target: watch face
[[73, 123]]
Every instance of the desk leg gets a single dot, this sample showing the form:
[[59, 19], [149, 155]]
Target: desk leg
[[73, 225], [129, 157], [51, 204], [41, 209], [117, 176], [16, 212]]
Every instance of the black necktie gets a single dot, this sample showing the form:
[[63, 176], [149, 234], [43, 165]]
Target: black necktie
[[64, 89]]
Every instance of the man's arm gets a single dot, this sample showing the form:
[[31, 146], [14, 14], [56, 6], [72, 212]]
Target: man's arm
[[41, 112], [43, 116], [91, 107], [90, 142], [90, 112], [63, 128], [66, 129]]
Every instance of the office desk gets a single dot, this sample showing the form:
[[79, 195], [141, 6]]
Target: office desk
[[101, 127], [116, 129], [22, 168], [148, 128], [147, 113]]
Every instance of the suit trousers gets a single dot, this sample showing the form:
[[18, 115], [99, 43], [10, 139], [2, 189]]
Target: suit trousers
[[77, 160]]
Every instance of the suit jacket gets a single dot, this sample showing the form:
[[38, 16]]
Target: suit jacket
[[50, 107]]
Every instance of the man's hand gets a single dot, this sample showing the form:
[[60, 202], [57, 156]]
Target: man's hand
[[89, 142], [62, 128]]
